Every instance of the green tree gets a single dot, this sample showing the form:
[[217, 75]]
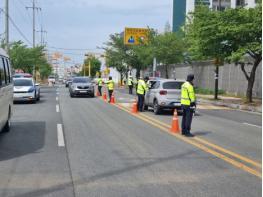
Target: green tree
[[95, 66], [227, 36], [169, 48]]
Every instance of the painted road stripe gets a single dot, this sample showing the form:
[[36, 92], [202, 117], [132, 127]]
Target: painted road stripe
[[238, 156], [61, 142], [56, 98], [200, 146], [57, 108], [253, 125]]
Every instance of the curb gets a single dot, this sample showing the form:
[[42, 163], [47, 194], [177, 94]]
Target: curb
[[233, 106]]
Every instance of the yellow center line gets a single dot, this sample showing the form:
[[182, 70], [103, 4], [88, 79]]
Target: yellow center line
[[238, 156], [194, 143]]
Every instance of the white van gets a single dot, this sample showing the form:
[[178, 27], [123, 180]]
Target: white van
[[6, 91]]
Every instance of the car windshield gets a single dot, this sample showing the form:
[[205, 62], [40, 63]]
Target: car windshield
[[173, 85], [23, 82], [81, 80]]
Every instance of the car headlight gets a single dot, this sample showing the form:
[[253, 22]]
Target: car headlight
[[32, 89]]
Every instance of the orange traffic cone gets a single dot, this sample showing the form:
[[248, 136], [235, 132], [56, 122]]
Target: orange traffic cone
[[134, 108], [175, 123], [112, 99], [104, 96]]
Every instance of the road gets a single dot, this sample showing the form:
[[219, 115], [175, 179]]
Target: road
[[82, 147]]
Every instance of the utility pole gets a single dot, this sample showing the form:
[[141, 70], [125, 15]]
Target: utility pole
[[34, 8], [42, 36], [7, 25], [217, 64]]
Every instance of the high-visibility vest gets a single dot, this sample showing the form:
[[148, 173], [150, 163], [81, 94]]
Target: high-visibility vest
[[110, 84], [129, 82], [187, 94], [100, 81], [142, 87]]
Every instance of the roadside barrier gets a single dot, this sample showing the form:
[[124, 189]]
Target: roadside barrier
[[112, 99], [104, 96], [175, 123], [134, 108]]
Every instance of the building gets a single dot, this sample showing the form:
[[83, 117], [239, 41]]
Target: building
[[182, 7]]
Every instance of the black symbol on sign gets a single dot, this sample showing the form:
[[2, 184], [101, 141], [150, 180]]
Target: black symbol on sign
[[131, 40]]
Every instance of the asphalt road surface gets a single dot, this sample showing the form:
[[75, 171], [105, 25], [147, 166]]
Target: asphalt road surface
[[85, 147]]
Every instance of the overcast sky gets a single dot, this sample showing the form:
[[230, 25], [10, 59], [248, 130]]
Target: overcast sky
[[84, 24]]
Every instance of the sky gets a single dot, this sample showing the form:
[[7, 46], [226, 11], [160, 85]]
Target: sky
[[83, 24]]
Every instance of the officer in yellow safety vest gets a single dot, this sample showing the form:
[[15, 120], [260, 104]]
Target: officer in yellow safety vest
[[100, 83], [130, 84], [110, 85], [142, 87], [187, 102]]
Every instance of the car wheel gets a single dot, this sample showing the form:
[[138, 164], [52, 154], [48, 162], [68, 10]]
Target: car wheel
[[156, 108], [145, 107], [71, 95]]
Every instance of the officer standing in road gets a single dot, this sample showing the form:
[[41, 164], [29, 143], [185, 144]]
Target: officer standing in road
[[187, 101], [100, 83], [110, 84], [141, 89], [130, 84]]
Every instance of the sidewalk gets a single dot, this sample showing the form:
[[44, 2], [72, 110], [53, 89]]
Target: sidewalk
[[231, 102]]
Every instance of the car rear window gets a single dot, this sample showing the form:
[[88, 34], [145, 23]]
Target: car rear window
[[23, 82], [81, 80], [172, 85]]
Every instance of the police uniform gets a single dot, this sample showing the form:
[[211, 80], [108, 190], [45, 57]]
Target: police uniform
[[187, 101], [110, 85], [100, 83], [141, 89]]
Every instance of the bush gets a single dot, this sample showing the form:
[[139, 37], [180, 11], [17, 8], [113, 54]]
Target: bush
[[207, 91]]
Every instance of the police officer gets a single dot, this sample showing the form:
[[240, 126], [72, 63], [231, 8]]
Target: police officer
[[130, 84], [110, 85], [141, 89], [187, 101], [100, 83]]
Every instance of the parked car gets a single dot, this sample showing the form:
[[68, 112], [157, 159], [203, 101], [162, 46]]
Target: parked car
[[82, 86], [6, 92], [68, 82], [26, 90], [164, 94]]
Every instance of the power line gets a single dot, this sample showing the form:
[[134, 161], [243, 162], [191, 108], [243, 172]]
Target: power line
[[67, 49], [16, 27]]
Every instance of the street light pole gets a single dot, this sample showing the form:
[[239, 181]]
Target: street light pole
[[7, 25]]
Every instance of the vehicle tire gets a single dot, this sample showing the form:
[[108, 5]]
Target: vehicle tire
[[92, 95], [146, 107], [156, 108], [71, 95], [38, 97], [7, 124]]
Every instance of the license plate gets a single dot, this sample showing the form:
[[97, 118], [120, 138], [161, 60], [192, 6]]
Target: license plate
[[83, 91], [177, 104]]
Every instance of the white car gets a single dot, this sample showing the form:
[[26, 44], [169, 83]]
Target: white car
[[6, 92], [26, 90]]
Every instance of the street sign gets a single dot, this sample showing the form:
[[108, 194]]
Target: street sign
[[134, 36]]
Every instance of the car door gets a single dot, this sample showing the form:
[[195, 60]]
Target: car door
[[153, 92], [3, 94], [147, 94]]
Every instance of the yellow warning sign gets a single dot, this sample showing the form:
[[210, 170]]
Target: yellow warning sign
[[135, 36]]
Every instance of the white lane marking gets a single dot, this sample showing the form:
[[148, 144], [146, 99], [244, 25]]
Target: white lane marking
[[57, 108], [56, 98], [253, 125], [61, 141]]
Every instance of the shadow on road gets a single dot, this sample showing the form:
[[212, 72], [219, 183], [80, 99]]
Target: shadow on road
[[24, 138], [200, 133]]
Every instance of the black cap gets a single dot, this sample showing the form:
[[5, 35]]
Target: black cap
[[190, 77], [146, 78], [110, 78]]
